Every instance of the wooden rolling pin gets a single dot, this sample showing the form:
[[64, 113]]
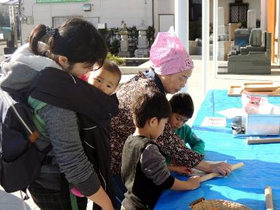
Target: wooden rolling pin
[[263, 141], [268, 198], [213, 175]]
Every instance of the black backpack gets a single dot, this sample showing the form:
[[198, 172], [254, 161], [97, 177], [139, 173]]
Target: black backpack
[[20, 160]]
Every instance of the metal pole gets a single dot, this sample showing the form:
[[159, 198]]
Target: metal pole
[[264, 15], [182, 21], [182, 25], [13, 23], [205, 43], [215, 38], [20, 18]]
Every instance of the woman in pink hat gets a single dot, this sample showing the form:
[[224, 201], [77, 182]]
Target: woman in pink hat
[[172, 67]]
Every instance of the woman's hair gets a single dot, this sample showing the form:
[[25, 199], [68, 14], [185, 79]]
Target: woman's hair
[[182, 103], [149, 105], [76, 39]]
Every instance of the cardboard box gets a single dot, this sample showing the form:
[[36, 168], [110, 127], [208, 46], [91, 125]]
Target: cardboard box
[[262, 124]]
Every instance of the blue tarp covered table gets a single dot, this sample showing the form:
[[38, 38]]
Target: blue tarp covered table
[[245, 185]]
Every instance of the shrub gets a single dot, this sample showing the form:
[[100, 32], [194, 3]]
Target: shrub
[[113, 39], [151, 35], [119, 61]]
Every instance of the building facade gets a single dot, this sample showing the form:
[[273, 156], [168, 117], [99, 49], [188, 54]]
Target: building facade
[[157, 13], [112, 12]]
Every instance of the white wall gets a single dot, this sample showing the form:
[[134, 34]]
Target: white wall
[[111, 12], [166, 7], [165, 15], [132, 12]]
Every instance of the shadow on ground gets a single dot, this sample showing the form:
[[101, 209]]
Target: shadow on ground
[[9, 201]]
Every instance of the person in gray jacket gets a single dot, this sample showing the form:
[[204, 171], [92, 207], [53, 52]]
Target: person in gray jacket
[[74, 47], [144, 169]]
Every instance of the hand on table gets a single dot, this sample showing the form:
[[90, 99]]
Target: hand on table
[[221, 168], [190, 184], [180, 169]]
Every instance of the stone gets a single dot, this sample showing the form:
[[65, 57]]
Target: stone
[[222, 29], [224, 49], [142, 40], [221, 16], [124, 42], [143, 43], [251, 19]]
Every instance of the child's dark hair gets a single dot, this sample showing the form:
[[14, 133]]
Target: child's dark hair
[[182, 103], [113, 68], [149, 105], [76, 39]]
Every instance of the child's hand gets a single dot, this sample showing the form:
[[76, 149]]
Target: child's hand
[[191, 184], [194, 182], [180, 169], [173, 162], [221, 168]]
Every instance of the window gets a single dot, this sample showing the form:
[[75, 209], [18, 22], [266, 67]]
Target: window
[[238, 12]]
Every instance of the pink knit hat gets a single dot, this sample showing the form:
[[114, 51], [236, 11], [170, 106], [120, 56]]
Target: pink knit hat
[[169, 55]]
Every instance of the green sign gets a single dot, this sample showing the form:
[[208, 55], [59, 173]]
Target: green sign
[[59, 1]]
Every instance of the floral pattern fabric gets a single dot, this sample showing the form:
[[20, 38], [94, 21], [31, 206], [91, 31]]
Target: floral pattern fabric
[[122, 126]]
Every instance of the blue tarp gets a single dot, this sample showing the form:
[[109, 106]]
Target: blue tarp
[[245, 185]]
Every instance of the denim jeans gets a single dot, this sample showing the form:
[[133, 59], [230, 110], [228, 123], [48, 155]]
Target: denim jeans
[[119, 189]]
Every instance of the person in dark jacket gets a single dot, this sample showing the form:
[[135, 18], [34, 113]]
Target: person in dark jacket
[[71, 105], [106, 79], [94, 126]]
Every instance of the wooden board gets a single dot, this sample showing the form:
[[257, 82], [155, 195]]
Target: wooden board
[[262, 141], [237, 91], [260, 87]]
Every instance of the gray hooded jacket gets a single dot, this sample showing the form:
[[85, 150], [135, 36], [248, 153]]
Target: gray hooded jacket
[[61, 124]]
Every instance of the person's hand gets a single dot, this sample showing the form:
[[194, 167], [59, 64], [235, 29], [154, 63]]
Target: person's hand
[[251, 108], [108, 207], [194, 182], [173, 162], [102, 199], [180, 169], [221, 168]]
